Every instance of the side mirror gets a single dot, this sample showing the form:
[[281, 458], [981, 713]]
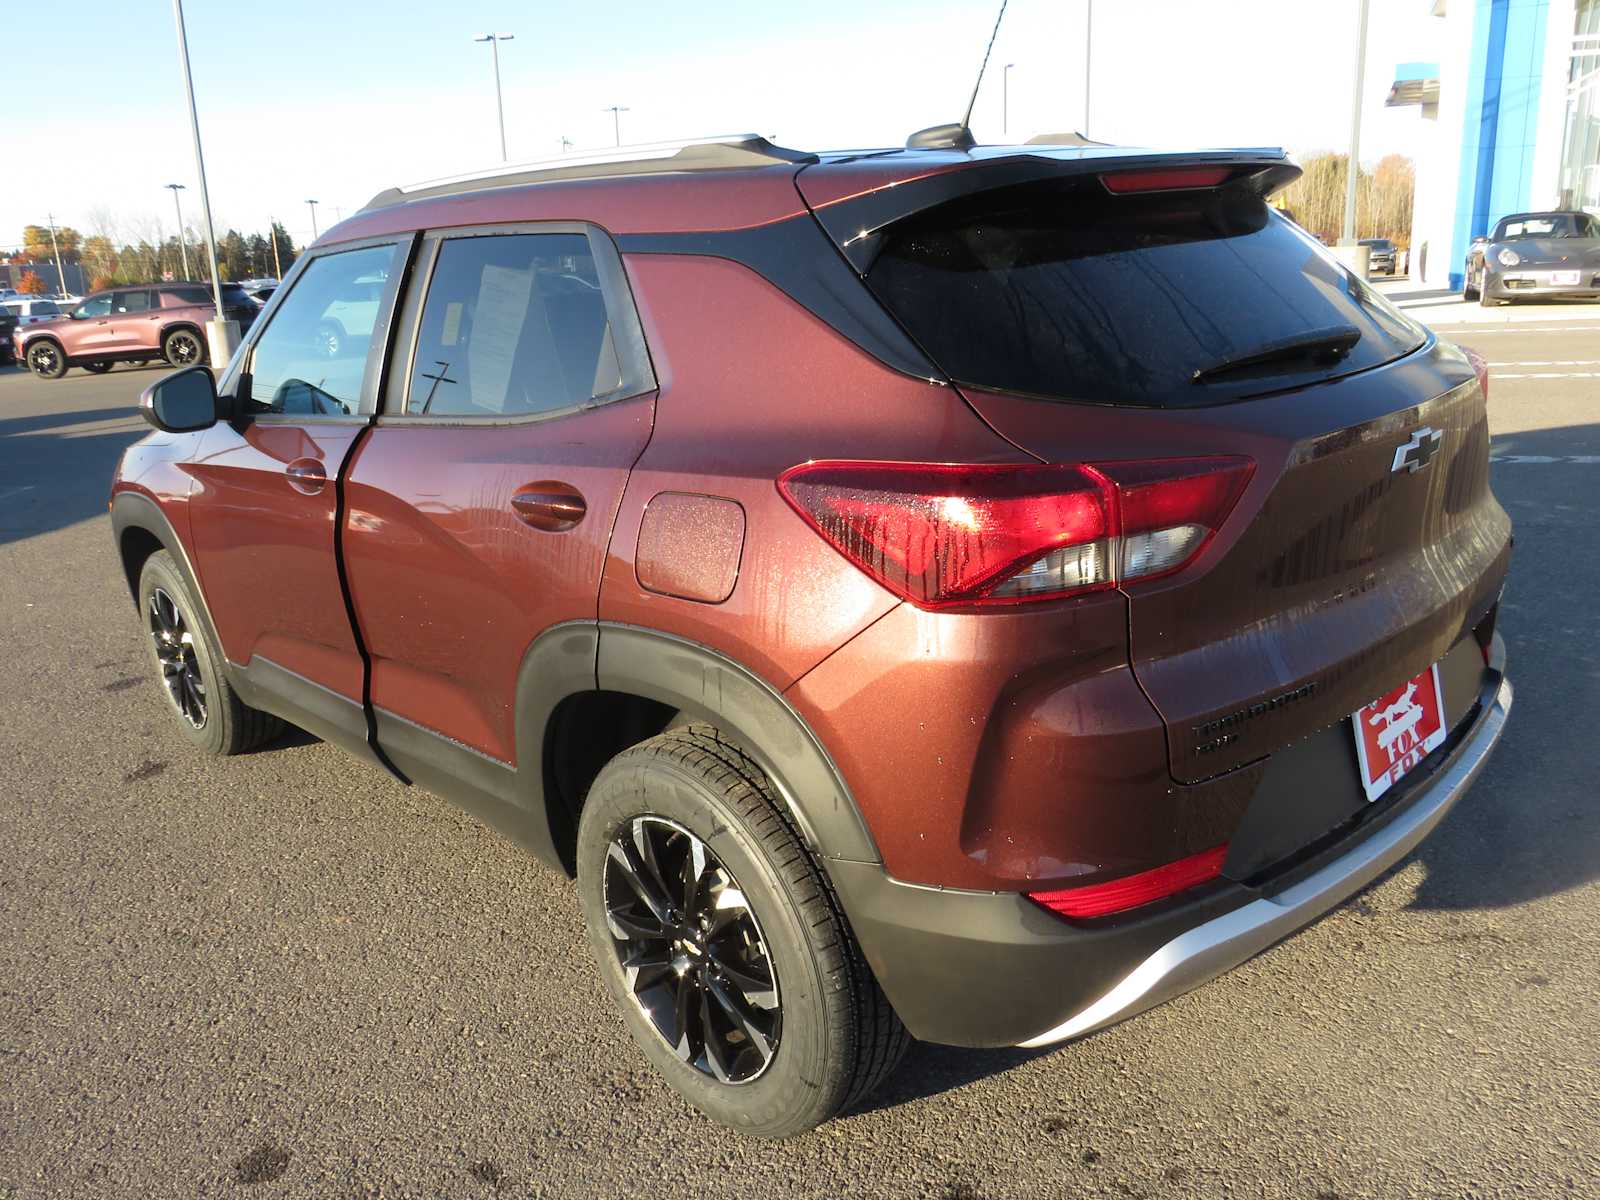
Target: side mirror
[[183, 402]]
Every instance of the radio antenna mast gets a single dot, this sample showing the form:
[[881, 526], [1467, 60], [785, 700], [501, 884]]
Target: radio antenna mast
[[966, 121]]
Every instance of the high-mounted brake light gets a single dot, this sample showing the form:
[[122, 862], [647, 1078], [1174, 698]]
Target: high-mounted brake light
[[944, 536], [1170, 180], [1131, 891]]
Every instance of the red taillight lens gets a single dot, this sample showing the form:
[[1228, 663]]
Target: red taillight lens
[[1101, 899], [943, 536], [1170, 180]]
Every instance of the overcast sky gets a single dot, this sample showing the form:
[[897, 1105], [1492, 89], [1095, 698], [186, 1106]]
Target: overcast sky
[[339, 99]]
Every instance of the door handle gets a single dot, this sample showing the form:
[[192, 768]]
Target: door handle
[[549, 506], [307, 476]]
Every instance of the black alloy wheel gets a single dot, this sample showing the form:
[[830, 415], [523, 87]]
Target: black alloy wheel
[[46, 360], [182, 348], [691, 950], [175, 652]]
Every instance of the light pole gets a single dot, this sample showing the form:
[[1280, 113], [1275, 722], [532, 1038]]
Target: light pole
[[312, 205], [1353, 168], [1005, 99], [616, 111], [61, 275], [494, 40], [183, 248], [566, 143], [1088, 46], [221, 334], [272, 234]]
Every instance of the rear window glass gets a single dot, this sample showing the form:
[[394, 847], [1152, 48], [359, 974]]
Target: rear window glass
[[1060, 289], [189, 295]]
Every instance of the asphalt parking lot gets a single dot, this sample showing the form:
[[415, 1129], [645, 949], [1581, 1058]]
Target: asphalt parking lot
[[285, 975]]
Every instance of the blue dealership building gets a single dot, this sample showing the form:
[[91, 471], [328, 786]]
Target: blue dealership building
[[1512, 107]]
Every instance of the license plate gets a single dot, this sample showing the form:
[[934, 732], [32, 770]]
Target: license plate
[[1398, 730], [1564, 278]]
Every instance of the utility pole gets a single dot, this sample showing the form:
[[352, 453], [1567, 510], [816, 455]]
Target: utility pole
[[221, 334], [1088, 47], [494, 40], [1005, 99], [183, 248], [61, 275], [313, 206], [616, 111]]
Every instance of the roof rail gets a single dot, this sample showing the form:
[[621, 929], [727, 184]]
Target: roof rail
[[651, 158]]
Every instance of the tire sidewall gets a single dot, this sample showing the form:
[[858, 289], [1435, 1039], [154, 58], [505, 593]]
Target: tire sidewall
[[160, 571], [802, 1084]]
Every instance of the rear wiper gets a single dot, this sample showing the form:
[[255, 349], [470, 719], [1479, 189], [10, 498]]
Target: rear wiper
[[1322, 347]]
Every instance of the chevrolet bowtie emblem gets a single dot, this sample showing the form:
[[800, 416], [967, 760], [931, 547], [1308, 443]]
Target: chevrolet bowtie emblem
[[1418, 452]]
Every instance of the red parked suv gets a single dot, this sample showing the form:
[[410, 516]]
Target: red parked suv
[[129, 324], [971, 594]]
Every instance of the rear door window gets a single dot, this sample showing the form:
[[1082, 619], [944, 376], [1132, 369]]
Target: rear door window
[[514, 325], [130, 302], [1062, 290]]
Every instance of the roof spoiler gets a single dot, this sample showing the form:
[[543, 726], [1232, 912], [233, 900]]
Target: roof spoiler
[[856, 223]]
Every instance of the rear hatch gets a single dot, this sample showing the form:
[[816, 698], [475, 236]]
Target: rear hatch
[[1152, 308]]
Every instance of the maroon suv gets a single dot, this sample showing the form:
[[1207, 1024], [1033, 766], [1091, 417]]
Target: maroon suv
[[969, 594], [129, 324]]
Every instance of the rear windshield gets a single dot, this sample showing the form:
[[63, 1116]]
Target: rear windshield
[[1060, 289]]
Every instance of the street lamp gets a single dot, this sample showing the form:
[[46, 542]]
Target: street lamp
[[312, 204], [1088, 45], [494, 40], [183, 247], [222, 335], [616, 111], [1005, 99]]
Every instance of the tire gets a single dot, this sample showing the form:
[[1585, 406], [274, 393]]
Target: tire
[[47, 360], [97, 368], [1468, 290], [1484, 299], [183, 348], [833, 1035], [329, 339], [187, 664]]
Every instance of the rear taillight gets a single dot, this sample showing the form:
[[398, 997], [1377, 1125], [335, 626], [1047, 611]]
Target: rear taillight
[[1131, 891], [945, 536], [1480, 366]]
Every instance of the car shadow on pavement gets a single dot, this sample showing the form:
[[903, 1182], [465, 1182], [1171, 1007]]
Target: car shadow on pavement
[[1528, 828], [54, 473]]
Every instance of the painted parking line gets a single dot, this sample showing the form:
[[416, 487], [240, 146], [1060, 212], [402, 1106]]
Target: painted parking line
[[1545, 375], [1551, 362], [1464, 331], [1588, 460]]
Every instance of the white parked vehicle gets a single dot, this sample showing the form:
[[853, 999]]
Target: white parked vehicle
[[31, 311]]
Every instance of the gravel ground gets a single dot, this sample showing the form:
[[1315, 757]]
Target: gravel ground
[[285, 975]]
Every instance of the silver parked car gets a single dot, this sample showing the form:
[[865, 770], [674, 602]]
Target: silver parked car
[[1535, 254]]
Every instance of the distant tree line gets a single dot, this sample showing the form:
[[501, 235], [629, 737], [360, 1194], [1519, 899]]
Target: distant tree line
[[148, 257], [1383, 198]]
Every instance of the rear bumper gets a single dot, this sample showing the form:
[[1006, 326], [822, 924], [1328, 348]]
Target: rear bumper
[[988, 969]]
